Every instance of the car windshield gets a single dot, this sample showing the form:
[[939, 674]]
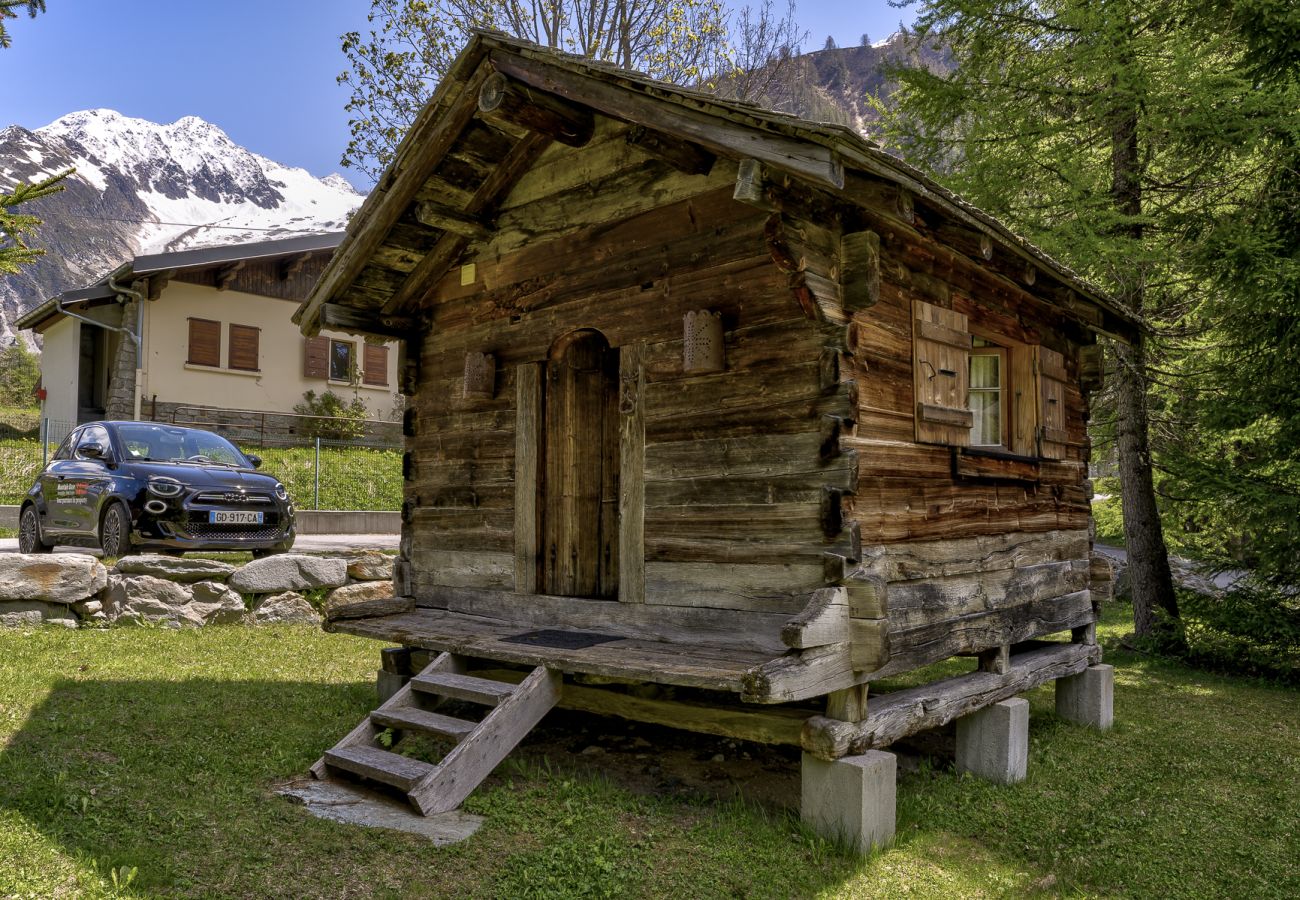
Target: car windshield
[[170, 443]]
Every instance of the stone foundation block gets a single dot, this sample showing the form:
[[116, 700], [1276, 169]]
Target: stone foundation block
[[993, 742], [387, 684], [851, 800], [1088, 698]]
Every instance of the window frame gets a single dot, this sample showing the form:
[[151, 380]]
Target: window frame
[[1004, 389], [352, 361]]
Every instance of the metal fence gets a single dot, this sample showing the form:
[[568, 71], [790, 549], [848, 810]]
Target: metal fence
[[320, 473]]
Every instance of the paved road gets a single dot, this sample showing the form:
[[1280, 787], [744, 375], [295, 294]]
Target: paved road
[[308, 543]]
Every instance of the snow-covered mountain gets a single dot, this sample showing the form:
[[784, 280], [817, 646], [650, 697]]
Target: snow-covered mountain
[[141, 187]]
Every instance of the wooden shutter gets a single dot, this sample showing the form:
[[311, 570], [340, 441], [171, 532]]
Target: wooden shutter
[[1050, 366], [205, 343], [376, 365], [315, 357], [244, 341], [941, 375]]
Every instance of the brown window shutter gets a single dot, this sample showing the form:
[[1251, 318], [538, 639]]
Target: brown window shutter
[[244, 340], [315, 357], [1052, 379], [376, 365], [205, 343], [941, 375]]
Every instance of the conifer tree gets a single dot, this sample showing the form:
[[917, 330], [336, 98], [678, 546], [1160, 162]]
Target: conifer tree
[[7, 11], [1112, 134], [15, 227]]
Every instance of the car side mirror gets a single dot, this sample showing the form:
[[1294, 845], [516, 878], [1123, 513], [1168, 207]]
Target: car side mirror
[[255, 460], [91, 451]]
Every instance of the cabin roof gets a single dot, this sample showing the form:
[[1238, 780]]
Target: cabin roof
[[41, 316], [828, 156]]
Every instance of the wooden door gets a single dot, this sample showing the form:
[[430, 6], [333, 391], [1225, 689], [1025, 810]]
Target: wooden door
[[579, 490]]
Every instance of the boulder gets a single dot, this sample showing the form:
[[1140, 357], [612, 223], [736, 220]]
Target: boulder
[[137, 599], [289, 608], [90, 610], [175, 568], [365, 598], [51, 577], [217, 604], [289, 572], [23, 613], [371, 565]]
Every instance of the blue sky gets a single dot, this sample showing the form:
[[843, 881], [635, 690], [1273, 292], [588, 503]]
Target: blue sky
[[262, 70]]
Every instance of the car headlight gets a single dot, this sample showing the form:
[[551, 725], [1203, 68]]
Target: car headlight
[[165, 487], [281, 492]]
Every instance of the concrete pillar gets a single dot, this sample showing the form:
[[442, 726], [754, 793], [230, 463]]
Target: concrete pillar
[[993, 742], [387, 684], [1088, 698], [851, 800]]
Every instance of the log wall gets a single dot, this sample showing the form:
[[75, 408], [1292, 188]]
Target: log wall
[[736, 465]]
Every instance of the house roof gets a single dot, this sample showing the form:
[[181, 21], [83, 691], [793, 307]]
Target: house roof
[[174, 262], [362, 276]]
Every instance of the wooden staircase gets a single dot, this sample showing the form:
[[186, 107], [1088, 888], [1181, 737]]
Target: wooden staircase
[[480, 746]]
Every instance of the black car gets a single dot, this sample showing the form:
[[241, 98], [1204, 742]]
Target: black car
[[127, 486]]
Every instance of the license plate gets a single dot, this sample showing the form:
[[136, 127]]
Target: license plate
[[234, 517]]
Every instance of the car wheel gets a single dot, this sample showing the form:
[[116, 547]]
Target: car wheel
[[29, 532], [115, 532]]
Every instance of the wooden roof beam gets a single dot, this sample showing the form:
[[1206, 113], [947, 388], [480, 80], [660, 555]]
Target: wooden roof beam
[[227, 274], [158, 282], [819, 164], [444, 219], [515, 103], [355, 321], [293, 265], [684, 156], [423, 279]]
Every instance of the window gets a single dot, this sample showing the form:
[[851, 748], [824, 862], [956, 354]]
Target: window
[[205, 343], [986, 390], [244, 340], [65, 449], [95, 434], [342, 363], [987, 398]]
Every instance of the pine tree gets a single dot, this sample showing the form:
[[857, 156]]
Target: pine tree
[[1112, 134], [7, 8], [15, 227]]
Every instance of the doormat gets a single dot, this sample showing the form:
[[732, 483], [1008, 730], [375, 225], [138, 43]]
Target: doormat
[[561, 640]]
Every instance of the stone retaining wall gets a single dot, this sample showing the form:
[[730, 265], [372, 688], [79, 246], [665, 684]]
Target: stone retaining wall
[[73, 589]]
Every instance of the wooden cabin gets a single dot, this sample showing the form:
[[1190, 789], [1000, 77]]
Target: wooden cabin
[[706, 396]]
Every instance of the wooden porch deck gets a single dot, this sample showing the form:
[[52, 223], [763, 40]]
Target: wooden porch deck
[[710, 664]]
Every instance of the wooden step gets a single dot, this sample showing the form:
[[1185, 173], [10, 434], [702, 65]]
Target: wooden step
[[401, 772], [411, 718], [462, 687]]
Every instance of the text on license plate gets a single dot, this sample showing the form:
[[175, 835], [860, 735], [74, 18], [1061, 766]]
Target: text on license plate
[[234, 517]]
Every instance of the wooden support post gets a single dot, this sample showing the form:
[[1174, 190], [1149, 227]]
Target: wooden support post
[[631, 476], [528, 437], [848, 705], [519, 104], [996, 660]]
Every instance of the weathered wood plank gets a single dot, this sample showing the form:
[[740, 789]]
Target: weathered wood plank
[[825, 620], [986, 553], [757, 587], [462, 568], [898, 714], [688, 626], [913, 648], [632, 486]]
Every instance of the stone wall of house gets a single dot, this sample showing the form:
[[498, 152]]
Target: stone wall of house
[[75, 590]]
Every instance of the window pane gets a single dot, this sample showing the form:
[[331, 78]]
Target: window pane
[[987, 409], [340, 361], [984, 371]]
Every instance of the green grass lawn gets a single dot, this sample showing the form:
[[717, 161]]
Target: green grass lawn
[[146, 755]]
